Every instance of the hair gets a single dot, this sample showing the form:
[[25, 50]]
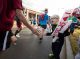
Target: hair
[[55, 17], [46, 9]]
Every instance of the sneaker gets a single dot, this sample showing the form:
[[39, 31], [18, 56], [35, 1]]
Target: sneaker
[[18, 35], [51, 56], [41, 37]]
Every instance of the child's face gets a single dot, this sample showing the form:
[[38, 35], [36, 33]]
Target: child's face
[[54, 21]]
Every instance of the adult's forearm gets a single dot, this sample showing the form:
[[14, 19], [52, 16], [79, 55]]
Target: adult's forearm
[[23, 19]]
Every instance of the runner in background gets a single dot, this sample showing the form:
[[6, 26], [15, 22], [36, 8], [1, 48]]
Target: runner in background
[[42, 21]]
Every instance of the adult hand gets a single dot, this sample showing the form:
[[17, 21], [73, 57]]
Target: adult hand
[[35, 31], [38, 32]]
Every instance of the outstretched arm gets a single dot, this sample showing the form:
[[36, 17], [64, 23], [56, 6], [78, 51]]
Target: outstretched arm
[[23, 19]]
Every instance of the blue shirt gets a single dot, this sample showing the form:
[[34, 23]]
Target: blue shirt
[[44, 20]]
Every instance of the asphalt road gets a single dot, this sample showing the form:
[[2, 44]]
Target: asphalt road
[[29, 47]]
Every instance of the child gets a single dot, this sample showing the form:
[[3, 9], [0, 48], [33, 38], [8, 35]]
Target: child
[[59, 33], [54, 21]]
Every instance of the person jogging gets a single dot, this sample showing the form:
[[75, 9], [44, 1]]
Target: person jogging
[[43, 20]]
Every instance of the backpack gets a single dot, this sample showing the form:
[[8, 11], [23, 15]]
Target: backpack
[[41, 17]]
